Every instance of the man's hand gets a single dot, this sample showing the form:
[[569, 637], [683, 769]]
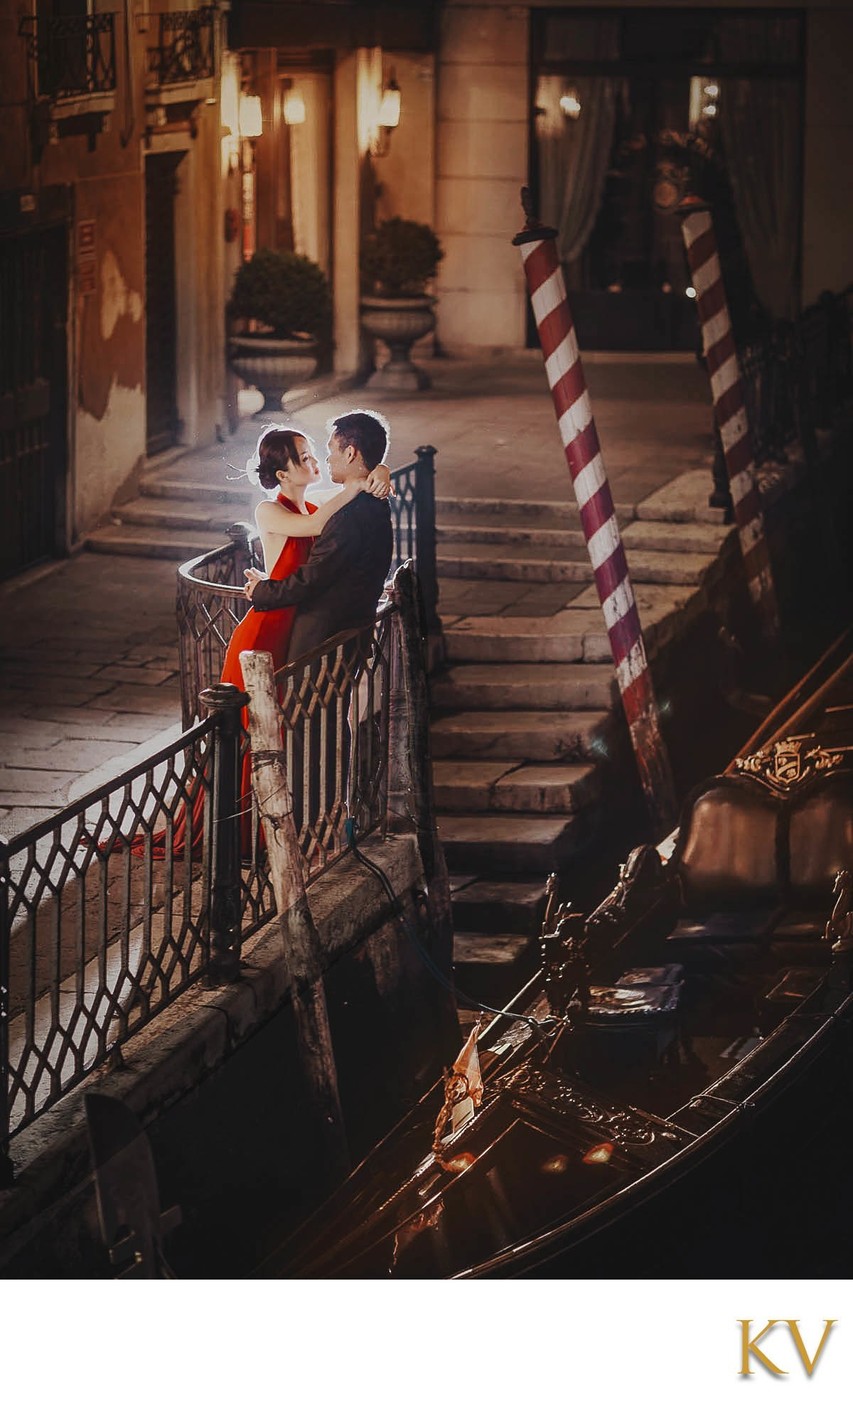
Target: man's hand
[[379, 481], [253, 576]]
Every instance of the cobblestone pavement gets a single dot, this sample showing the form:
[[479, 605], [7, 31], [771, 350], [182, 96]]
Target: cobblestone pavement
[[88, 673], [88, 649]]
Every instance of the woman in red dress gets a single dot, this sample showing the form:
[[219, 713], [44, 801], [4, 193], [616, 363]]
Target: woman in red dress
[[284, 464]]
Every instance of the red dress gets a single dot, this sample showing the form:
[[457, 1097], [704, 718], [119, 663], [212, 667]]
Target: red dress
[[258, 630]]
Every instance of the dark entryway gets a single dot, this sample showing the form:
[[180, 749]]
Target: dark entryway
[[33, 396], [161, 348], [610, 88]]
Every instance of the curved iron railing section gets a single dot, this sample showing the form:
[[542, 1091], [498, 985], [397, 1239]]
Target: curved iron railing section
[[113, 907]]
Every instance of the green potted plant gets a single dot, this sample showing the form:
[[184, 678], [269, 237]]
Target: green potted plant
[[397, 262], [283, 303]]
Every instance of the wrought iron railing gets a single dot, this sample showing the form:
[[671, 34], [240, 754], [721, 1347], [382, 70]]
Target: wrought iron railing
[[797, 377], [210, 601], [116, 905], [187, 48], [104, 920], [73, 55], [335, 705]]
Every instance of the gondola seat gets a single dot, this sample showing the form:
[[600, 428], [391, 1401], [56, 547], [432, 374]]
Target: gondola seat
[[756, 866]]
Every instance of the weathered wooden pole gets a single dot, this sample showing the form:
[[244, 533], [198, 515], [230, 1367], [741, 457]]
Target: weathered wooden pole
[[597, 514], [410, 788], [299, 934], [718, 344]]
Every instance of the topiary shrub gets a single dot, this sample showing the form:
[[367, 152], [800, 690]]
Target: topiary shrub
[[287, 293], [399, 258]]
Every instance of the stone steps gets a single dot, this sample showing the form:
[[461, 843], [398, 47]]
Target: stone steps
[[549, 736], [538, 564], [448, 533], [511, 844], [480, 905], [522, 686], [130, 541], [178, 514], [566, 637], [168, 484], [504, 786]]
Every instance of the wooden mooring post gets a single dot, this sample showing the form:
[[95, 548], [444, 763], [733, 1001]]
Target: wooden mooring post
[[300, 940]]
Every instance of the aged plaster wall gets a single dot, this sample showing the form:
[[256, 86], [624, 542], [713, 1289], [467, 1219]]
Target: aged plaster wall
[[107, 344], [828, 169], [103, 446], [481, 160]]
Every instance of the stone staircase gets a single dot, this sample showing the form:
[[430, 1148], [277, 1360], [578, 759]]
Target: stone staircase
[[528, 737]]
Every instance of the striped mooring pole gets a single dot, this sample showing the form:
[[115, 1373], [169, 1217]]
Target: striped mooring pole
[[718, 345], [597, 514]]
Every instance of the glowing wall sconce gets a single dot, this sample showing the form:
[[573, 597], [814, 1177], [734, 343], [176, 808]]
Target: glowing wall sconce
[[570, 104], [387, 118], [251, 122], [293, 107]]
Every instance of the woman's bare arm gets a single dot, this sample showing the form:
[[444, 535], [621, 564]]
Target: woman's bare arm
[[279, 521]]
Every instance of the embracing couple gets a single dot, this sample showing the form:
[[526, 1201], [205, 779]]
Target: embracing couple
[[325, 567]]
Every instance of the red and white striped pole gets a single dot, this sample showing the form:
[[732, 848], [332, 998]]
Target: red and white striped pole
[[720, 352], [597, 514]]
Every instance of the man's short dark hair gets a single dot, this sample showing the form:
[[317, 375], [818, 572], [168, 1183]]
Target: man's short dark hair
[[364, 431]]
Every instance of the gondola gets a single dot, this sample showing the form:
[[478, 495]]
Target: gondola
[[674, 1042]]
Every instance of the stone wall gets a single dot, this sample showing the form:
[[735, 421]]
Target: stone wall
[[217, 1082]]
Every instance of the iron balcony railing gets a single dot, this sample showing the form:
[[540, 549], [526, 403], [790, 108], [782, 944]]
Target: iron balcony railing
[[210, 602], [186, 52], [72, 55], [796, 378], [115, 906]]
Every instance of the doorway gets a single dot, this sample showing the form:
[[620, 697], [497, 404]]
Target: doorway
[[161, 324], [33, 397]]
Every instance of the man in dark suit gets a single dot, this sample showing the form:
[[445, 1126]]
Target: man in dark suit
[[340, 584], [336, 590]]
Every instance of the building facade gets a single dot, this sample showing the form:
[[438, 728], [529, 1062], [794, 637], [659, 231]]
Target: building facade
[[111, 252], [147, 150]]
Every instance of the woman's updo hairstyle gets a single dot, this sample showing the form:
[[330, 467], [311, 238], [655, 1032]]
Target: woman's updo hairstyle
[[276, 449]]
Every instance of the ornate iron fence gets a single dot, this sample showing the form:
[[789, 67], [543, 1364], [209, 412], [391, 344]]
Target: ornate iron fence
[[186, 52], [334, 708], [105, 918], [210, 602], [114, 906], [73, 55], [797, 377]]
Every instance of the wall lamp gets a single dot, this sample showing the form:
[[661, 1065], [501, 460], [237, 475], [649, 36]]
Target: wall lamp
[[388, 118], [293, 105], [250, 119]]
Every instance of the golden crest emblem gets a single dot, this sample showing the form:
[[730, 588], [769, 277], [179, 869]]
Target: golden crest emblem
[[790, 761]]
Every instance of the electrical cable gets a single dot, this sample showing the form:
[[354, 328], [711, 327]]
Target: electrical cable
[[435, 972]]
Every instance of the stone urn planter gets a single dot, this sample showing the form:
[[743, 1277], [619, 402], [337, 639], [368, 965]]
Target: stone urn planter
[[399, 321], [273, 366], [397, 262]]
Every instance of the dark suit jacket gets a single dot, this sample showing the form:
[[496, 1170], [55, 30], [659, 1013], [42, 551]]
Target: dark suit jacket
[[338, 587]]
